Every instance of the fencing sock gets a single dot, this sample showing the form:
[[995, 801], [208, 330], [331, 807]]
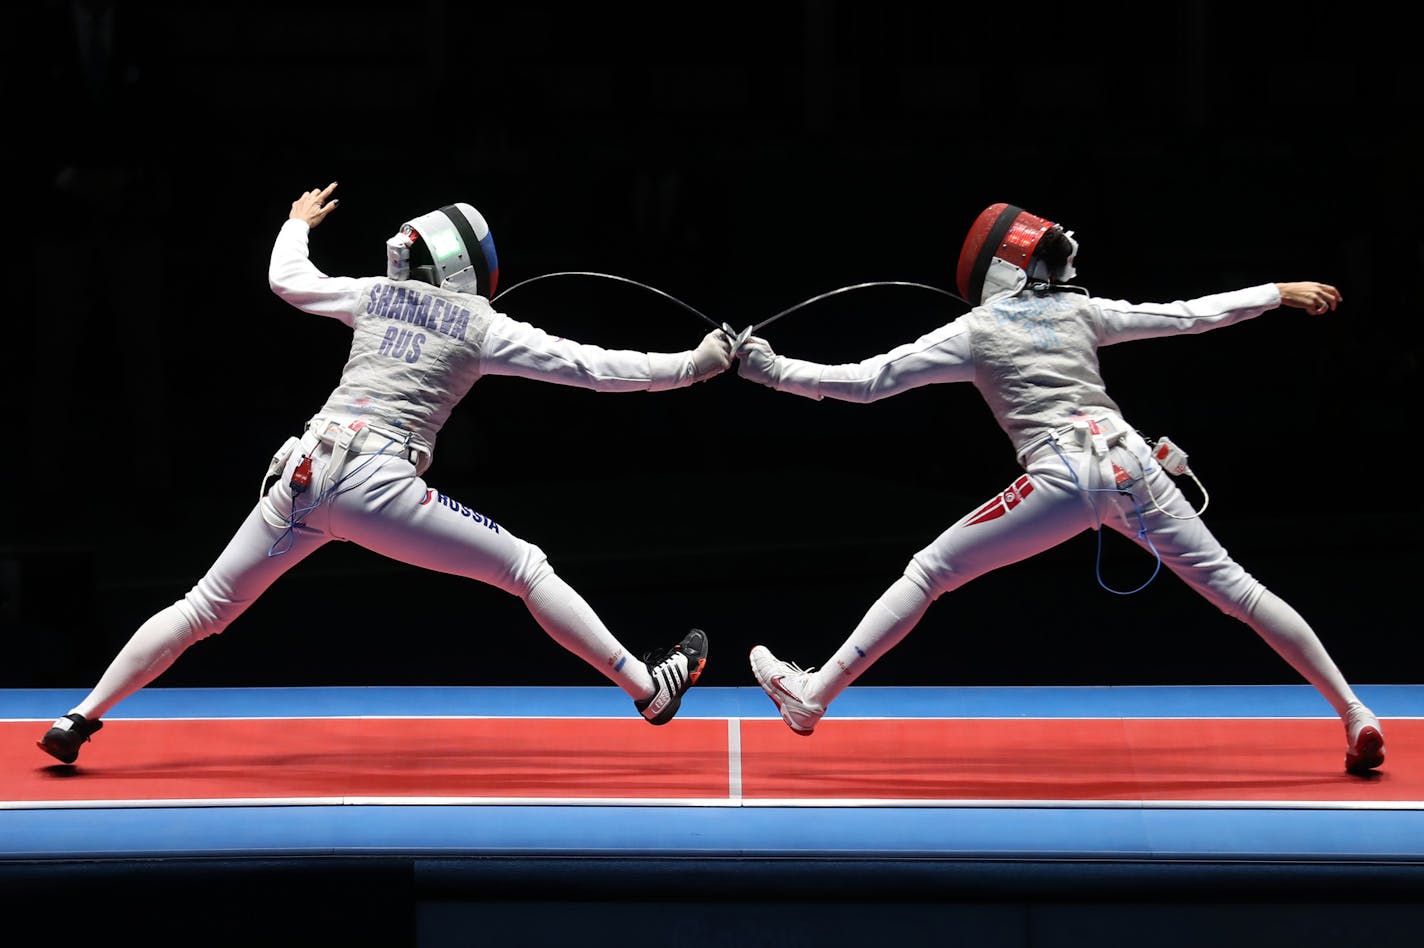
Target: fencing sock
[[894, 614], [571, 622], [1291, 636], [148, 654]]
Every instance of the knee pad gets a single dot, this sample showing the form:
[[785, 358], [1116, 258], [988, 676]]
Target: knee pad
[[917, 574], [203, 614], [1245, 608], [533, 569], [182, 626]]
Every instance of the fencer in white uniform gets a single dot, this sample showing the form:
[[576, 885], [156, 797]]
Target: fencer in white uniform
[[1029, 344], [422, 335]]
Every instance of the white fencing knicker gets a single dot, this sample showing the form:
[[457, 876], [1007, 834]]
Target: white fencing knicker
[[363, 488], [1081, 477]]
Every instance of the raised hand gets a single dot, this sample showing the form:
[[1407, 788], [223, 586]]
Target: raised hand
[[313, 206]]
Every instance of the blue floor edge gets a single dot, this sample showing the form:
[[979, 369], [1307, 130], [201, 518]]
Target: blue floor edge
[[1157, 701], [1039, 833]]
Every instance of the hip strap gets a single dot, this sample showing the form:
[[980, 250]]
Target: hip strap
[[1097, 434]]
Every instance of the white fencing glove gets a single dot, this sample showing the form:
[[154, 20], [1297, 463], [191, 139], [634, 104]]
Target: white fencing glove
[[757, 361], [712, 356]]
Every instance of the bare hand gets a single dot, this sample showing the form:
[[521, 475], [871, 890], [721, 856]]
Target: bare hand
[[1309, 296], [313, 206]]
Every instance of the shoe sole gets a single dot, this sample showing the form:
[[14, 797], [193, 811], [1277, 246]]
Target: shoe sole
[[776, 683], [55, 754], [1369, 753], [803, 732]]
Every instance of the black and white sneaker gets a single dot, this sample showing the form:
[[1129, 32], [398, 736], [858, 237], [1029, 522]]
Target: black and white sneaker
[[63, 740], [674, 673]]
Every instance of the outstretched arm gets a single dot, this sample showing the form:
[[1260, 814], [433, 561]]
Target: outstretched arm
[[1123, 321], [516, 348], [940, 356]]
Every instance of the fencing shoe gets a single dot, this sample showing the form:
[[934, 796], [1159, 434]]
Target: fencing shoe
[[785, 684], [674, 673], [1364, 749], [63, 740]]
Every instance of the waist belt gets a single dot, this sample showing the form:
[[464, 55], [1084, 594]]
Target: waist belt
[[1098, 435], [358, 436], [350, 436]]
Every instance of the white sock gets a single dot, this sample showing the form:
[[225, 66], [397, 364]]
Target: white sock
[[1284, 630], [572, 623], [148, 654], [897, 611]]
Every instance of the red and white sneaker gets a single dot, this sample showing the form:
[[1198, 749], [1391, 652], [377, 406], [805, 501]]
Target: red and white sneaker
[[1364, 749], [786, 684]]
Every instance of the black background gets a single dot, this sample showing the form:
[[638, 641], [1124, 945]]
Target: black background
[[741, 157]]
